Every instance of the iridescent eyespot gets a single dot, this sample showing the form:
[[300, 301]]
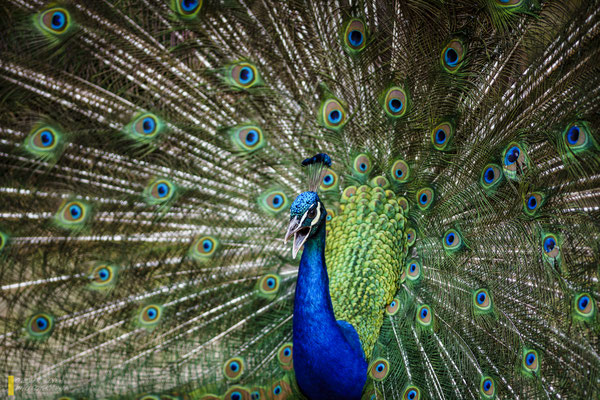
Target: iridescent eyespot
[[44, 142], [144, 127], [187, 9], [55, 21], [585, 307], [355, 36], [393, 307], [577, 136], [72, 214], [413, 269], [395, 102], [487, 388], [514, 160], [244, 75], [273, 201], [348, 193], [531, 362], [203, 248], [150, 315], [102, 276], [532, 203], [362, 164], [509, 3], [482, 300], [159, 191], [233, 368], [379, 369], [411, 393], [269, 284], [453, 55], [379, 181], [452, 240], [247, 138], [424, 315], [425, 198], [411, 236], [332, 114], [257, 393], [281, 390], [330, 214], [550, 246], [237, 393], [441, 135], [400, 171], [329, 180], [40, 326], [285, 356]]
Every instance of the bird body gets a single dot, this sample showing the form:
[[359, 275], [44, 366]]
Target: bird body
[[150, 151]]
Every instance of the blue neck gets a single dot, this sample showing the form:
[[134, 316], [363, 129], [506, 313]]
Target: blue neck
[[328, 360]]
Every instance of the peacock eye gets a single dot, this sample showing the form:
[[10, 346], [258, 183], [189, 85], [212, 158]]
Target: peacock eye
[[312, 213], [55, 20]]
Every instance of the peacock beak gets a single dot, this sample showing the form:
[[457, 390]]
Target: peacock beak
[[300, 235]]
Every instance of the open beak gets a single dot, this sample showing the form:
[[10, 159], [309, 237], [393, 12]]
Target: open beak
[[300, 235]]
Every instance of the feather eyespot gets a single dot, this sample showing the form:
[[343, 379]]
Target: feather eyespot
[[362, 164], [72, 214], [482, 300], [425, 198], [413, 269], [333, 114], [233, 368], [273, 202], [329, 180], [453, 55], [393, 307], [56, 20], [285, 356], [452, 240], [577, 136], [258, 393], [188, 8], [411, 236], [509, 3], [159, 191], [144, 127], [330, 214], [491, 177], [531, 362], [248, 138], [395, 102], [379, 369], [355, 36], [411, 393], [150, 315], [204, 248], [441, 135], [514, 160], [237, 393], [269, 284], [585, 307], [40, 326], [550, 246], [424, 315], [103, 276], [533, 202], [281, 390], [44, 142], [487, 388], [348, 193], [400, 171], [244, 75]]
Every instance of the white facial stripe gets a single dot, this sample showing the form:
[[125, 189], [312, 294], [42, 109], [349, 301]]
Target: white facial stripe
[[316, 219]]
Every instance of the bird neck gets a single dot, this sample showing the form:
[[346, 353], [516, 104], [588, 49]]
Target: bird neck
[[328, 358]]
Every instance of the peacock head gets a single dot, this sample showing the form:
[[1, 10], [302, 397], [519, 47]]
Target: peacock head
[[307, 214]]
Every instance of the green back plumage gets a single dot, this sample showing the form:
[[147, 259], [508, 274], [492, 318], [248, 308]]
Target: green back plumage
[[149, 152]]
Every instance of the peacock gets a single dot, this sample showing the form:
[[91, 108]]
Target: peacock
[[435, 165]]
